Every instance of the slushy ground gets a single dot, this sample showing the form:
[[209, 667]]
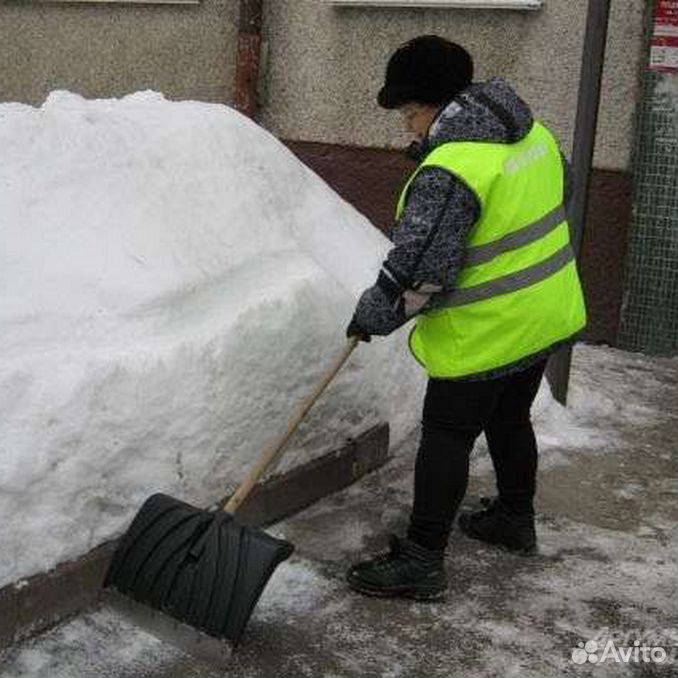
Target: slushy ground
[[606, 567]]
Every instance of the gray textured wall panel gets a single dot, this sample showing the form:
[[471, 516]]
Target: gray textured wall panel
[[327, 63], [185, 52]]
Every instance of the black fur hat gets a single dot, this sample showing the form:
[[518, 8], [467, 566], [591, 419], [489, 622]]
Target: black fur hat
[[426, 70]]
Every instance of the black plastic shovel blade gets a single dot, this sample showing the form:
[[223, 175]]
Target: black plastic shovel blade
[[200, 567]]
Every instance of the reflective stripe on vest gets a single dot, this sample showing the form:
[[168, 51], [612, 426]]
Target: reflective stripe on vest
[[511, 282], [518, 292], [524, 236]]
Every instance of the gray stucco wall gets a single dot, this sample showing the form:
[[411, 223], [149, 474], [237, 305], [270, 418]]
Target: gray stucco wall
[[326, 65], [184, 51]]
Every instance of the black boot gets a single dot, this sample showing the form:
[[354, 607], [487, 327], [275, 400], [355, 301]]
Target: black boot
[[407, 570], [496, 524]]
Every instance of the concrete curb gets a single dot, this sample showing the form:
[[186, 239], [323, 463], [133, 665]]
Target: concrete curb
[[34, 604]]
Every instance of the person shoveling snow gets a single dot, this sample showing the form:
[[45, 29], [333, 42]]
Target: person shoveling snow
[[482, 258]]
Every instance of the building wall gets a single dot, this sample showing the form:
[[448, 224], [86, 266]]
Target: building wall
[[327, 63], [106, 50]]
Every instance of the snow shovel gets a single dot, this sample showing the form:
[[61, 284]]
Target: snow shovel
[[181, 569]]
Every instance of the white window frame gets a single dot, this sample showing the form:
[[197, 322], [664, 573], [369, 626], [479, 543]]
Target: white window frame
[[459, 4], [122, 2]]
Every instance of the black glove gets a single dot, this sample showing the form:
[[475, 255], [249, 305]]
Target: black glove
[[354, 330]]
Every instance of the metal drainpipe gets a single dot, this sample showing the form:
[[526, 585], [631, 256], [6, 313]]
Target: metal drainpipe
[[593, 59], [248, 57]]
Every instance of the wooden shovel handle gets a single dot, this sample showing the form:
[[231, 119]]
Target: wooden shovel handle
[[275, 451]]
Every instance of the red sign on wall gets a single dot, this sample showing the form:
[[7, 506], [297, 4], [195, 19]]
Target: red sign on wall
[[664, 46]]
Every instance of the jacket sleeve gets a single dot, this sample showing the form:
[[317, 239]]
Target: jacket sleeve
[[429, 245]]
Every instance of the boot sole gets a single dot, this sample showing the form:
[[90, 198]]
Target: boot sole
[[517, 550], [430, 595]]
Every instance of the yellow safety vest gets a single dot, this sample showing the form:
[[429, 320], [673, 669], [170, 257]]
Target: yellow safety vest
[[518, 292]]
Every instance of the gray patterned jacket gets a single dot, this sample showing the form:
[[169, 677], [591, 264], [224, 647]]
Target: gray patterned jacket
[[430, 238]]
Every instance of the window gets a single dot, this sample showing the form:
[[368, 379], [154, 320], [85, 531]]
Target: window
[[127, 2], [465, 4]]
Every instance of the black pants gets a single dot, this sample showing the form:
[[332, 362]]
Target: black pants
[[455, 413]]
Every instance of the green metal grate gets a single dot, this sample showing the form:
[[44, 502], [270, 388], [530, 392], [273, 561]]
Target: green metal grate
[[650, 312]]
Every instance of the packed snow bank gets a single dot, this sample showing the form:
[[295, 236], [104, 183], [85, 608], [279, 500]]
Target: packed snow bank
[[174, 281]]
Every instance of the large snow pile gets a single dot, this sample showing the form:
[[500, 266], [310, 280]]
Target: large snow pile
[[173, 282]]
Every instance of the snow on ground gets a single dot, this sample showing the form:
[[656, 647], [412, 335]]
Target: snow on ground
[[82, 648], [174, 281]]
